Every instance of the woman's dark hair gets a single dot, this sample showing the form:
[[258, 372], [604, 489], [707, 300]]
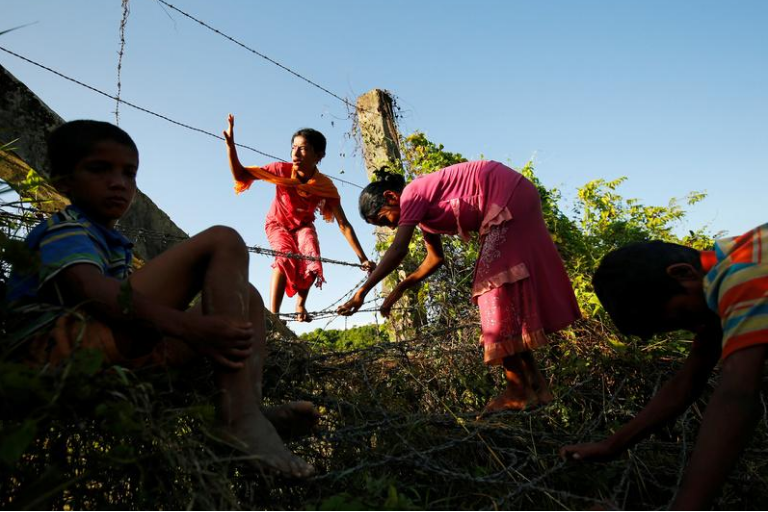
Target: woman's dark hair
[[73, 141], [315, 139], [633, 285], [372, 196]]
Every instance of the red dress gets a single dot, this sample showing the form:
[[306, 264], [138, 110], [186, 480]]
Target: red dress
[[290, 228]]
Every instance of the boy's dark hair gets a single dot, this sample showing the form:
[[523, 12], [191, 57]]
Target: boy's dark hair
[[73, 141], [372, 197], [315, 139], [633, 285]]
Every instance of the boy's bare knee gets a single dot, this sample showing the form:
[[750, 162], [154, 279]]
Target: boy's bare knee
[[224, 237]]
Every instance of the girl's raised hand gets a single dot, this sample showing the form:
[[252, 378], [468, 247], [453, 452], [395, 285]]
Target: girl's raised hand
[[229, 133]]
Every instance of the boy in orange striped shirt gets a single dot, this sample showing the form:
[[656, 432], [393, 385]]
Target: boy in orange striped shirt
[[721, 296]]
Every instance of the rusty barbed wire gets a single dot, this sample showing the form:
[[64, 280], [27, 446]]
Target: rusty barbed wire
[[155, 114], [123, 23], [146, 234], [269, 59]]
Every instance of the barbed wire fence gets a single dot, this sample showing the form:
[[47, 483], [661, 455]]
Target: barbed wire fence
[[404, 413], [153, 113]]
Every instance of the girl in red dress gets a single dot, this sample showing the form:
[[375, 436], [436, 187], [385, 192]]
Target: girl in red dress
[[301, 189]]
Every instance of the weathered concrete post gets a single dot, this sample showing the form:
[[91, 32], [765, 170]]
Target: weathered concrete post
[[381, 140], [381, 147]]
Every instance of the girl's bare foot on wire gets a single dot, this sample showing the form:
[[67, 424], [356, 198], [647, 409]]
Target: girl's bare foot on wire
[[302, 315]]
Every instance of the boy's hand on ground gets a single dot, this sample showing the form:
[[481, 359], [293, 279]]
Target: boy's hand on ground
[[226, 341], [589, 452]]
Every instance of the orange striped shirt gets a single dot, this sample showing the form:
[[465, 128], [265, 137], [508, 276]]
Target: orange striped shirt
[[736, 287]]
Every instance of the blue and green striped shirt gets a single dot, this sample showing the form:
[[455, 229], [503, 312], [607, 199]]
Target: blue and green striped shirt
[[69, 238]]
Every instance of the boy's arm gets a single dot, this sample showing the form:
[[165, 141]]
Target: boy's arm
[[349, 233], [432, 261], [670, 401], [726, 428], [225, 340]]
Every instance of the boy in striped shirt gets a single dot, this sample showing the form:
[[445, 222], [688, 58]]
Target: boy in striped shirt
[[721, 296], [85, 268]]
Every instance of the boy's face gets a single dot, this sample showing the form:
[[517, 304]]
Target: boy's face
[[688, 310], [103, 183]]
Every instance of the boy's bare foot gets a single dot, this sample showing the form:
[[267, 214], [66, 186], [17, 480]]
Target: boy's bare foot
[[255, 435], [293, 419]]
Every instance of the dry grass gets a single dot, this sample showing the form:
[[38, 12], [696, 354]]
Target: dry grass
[[398, 431]]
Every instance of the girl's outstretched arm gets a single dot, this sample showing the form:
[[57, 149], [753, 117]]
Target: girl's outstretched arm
[[389, 262], [238, 171], [432, 261], [349, 233]]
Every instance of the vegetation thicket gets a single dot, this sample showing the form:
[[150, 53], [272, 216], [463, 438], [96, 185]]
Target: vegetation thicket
[[398, 429]]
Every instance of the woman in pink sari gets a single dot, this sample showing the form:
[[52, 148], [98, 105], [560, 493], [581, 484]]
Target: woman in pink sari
[[520, 284], [301, 189]]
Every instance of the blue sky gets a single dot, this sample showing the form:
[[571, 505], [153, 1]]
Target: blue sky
[[671, 94]]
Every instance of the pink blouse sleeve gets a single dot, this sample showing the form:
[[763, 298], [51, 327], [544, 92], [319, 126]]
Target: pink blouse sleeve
[[413, 207]]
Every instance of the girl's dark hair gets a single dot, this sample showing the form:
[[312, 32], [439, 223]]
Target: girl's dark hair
[[315, 139], [372, 196], [633, 285], [73, 141]]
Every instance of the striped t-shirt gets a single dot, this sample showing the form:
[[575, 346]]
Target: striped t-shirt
[[69, 238], [736, 288]]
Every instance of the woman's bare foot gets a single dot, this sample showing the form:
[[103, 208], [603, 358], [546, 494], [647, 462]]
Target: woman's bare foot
[[293, 419], [255, 435], [512, 399], [544, 396], [540, 384]]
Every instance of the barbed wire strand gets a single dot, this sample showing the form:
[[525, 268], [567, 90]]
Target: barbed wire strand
[[146, 234], [264, 56], [155, 114], [120, 53]]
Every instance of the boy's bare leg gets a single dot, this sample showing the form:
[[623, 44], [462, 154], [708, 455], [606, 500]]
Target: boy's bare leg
[[539, 383], [293, 419], [248, 423], [216, 262], [518, 393], [276, 290], [301, 306]]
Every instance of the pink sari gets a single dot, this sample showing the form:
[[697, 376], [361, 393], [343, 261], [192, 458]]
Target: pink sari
[[520, 283]]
